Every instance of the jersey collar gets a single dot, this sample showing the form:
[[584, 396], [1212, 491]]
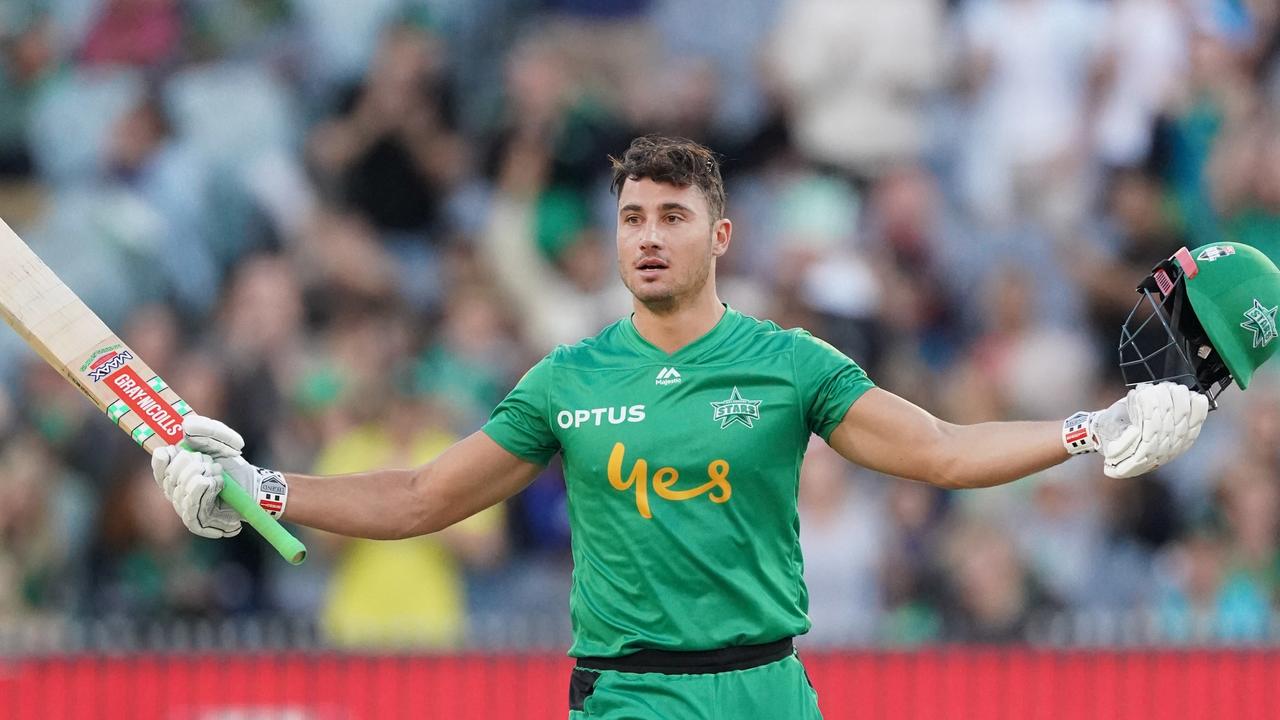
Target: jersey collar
[[709, 340]]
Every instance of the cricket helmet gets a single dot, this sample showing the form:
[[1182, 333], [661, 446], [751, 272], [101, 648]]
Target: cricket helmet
[[1206, 317]]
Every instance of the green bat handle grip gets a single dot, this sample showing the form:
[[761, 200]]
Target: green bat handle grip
[[268, 527]]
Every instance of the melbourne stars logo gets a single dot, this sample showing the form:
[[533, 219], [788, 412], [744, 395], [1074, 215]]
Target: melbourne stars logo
[[736, 409], [1261, 322]]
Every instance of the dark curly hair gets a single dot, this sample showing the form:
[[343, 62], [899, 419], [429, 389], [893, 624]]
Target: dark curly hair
[[673, 160]]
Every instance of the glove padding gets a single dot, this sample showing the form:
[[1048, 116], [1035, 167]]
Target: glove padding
[[1147, 428], [191, 478], [192, 481], [211, 437]]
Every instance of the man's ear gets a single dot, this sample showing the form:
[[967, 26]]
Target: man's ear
[[721, 237]]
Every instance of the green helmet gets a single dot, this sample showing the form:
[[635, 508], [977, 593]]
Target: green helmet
[[1235, 294], [1208, 316]]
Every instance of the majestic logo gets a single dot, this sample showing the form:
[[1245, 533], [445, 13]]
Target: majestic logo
[[1214, 252], [597, 416], [736, 409], [109, 363], [667, 376], [1261, 322], [716, 488]]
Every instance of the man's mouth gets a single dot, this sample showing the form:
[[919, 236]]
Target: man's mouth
[[651, 266]]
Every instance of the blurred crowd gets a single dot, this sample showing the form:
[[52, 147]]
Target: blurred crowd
[[346, 229]]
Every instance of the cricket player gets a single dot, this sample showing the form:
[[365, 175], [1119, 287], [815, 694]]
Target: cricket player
[[682, 428]]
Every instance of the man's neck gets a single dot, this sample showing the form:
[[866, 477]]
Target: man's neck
[[670, 331]]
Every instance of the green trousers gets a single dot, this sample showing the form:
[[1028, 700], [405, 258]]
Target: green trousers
[[777, 691]]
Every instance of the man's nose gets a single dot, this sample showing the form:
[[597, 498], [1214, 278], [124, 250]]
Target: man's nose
[[651, 238]]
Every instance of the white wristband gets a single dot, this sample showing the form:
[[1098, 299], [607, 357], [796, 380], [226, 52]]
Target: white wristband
[[272, 493], [1078, 436]]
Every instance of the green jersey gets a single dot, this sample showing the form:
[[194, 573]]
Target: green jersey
[[682, 471]]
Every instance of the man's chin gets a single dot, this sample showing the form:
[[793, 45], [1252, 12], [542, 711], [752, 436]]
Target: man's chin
[[646, 291], [653, 298]]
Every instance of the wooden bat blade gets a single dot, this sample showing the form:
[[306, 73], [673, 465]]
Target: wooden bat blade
[[46, 313], [74, 341]]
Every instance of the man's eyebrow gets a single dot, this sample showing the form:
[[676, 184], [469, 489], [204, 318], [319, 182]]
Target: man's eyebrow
[[664, 207]]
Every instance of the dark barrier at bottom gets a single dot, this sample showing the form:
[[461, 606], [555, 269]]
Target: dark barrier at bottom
[[932, 683]]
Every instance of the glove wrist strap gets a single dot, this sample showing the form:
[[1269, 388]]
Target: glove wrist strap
[[1078, 435], [272, 492]]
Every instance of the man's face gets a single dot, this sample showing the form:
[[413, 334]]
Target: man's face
[[667, 242]]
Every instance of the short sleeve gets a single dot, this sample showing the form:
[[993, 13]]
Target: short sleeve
[[520, 423], [828, 382]]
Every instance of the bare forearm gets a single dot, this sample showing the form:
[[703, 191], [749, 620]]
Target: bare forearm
[[995, 453], [381, 505], [883, 432], [473, 474]]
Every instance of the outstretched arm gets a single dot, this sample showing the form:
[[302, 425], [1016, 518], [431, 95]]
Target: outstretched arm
[[473, 474], [1150, 426], [888, 434]]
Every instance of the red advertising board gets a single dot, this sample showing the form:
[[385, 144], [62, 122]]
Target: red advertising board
[[933, 683]]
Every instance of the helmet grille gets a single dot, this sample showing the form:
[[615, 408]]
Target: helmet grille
[[1161, 339]]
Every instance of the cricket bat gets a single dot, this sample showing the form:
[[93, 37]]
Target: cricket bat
[[75, 341]]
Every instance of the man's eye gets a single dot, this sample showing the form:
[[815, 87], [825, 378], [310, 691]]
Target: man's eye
[[674, 218]]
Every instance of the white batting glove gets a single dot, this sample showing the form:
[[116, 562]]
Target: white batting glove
[[1150, 426], [211, 437], [192, 481], [192, 478]]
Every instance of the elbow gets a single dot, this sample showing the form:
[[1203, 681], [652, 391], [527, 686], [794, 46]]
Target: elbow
[[946, 464], [414, 516], [957, 464], [946, 478]]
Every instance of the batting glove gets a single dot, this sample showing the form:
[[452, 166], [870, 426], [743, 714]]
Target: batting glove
[[191, 477], [1150, 426], [192, 481]]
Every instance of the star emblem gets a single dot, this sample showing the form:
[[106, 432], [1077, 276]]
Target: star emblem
[[735, 409], [1261, 321]]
